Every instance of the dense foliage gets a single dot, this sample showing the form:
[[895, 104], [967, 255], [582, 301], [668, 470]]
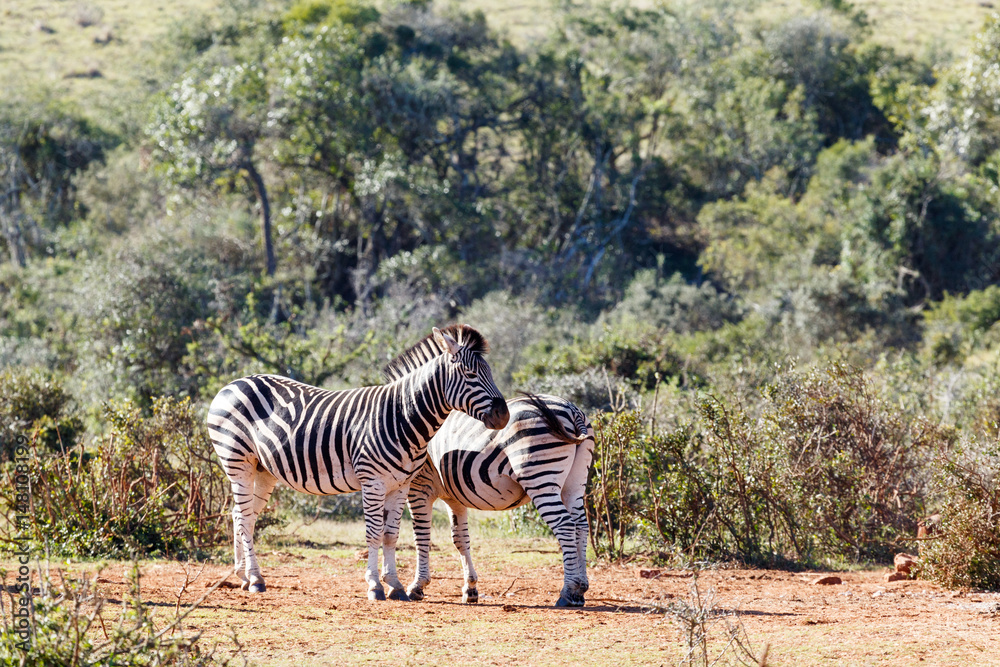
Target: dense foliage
[[761, 249]]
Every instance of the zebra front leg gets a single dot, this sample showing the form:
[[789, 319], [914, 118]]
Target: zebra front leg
[[393, 513], [373, 501], [421, 509], [460, 536]]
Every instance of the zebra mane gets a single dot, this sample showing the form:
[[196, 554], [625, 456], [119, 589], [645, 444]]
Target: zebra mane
[[427, 349]]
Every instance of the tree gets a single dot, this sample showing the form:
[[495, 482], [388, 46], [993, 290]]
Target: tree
[[40, 152], [207, 130]]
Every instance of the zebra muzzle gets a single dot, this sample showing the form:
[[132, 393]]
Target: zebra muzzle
[[498, 415]]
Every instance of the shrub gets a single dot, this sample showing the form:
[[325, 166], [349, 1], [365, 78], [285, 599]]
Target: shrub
[[753, 515], [822, 468], [957, 325], [35, 406], [63, 614], [858, 469], [617, 360], [144, 309], [614, 489], [675, 305], [149, 487], [965, 553]]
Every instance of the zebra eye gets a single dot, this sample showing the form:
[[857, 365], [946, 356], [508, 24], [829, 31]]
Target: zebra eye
[[470, 374]]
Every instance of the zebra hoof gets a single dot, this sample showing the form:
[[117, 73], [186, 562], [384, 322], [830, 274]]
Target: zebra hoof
[[415, 593], [470, 596], [398, 594], [566, 601], [376, 594], [257, 587], [244, 584]]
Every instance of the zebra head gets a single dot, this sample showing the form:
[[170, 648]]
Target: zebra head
[[469, 385]]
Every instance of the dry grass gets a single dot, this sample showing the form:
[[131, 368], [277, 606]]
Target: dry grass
[[43, 41], [913, 26], [46, 44]]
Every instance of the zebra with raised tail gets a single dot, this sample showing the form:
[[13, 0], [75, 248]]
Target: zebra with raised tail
[[267, 428], [543, 455]]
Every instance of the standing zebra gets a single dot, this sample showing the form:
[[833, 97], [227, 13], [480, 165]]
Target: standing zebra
[[267, 428], [543, 454]]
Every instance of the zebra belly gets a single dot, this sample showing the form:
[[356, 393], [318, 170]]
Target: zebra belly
[[312, 474], [470, 480]]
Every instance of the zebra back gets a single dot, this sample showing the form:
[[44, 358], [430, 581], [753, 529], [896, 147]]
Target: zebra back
[[427, 349], [552, 421]]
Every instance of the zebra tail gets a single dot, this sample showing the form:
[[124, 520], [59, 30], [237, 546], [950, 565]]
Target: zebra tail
[[554, 425]]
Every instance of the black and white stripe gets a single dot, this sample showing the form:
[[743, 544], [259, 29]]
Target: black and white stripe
[[543, 455], [267, 428]]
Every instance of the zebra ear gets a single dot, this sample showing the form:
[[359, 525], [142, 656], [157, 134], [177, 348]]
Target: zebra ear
[[445, 342]]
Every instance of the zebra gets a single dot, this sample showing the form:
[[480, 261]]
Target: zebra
[[543, 454], [268, 428]]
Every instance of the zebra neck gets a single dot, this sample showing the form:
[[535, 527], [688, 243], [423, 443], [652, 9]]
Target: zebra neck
[[423, 402]]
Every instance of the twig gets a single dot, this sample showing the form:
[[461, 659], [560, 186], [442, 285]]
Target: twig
[[509, 587], [762, 661]]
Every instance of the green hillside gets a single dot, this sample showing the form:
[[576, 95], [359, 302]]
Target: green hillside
[[97, 50], [757, 243]]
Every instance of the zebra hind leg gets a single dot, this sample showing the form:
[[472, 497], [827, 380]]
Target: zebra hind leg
[[550, 506], [460, 536], [393, 513], [255, 495], [578, 514], [574, 490], [238, 547]]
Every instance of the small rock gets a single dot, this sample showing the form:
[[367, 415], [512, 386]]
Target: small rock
[[895, 576], [828, 580], [103, 36], [86, 73], [905, 563], [650, 574], [508, 607]]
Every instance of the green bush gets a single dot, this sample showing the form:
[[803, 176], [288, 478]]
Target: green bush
[[822, 469], [857, 468], [958, 326], [965, 550], [636, 359], [35, 407], [63, 617], [674, 305], [150, 486]]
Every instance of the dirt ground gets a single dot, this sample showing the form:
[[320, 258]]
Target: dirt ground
[[315, 612]]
